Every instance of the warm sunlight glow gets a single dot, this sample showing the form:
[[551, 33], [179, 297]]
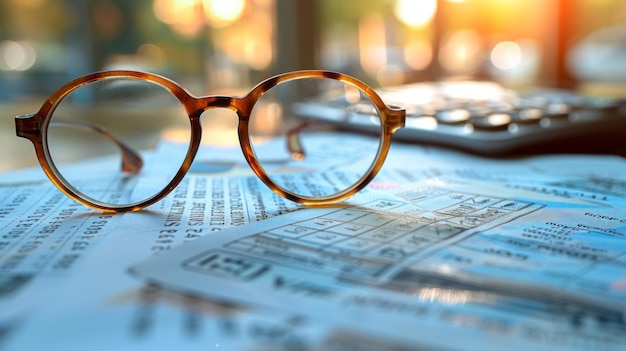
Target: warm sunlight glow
[[186, 16], [220, 13], [180, 15], [174, 11], [415, 13], [461, 52], [258, 53], [418, 54], [372, 43], [390, 75], [352, 94], [268, 119]]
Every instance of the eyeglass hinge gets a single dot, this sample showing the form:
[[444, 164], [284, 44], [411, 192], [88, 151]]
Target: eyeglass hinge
[[396, 116], [27, 125]]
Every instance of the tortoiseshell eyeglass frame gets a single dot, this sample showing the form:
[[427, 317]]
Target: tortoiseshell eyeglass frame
[[34, 126]]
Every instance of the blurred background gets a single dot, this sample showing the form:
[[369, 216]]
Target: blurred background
[[213, 46]]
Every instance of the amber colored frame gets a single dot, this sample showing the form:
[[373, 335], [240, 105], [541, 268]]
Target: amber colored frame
[[34, 127]]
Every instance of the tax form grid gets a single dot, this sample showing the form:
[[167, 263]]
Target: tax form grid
[[365, 242], [433, 246]]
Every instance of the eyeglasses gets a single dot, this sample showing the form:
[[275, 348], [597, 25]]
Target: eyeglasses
[[91, 136]]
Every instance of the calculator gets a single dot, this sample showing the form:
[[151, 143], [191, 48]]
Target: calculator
[[486, 118]]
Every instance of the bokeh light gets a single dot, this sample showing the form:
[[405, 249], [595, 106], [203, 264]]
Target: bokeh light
[[188, 17], [418, 54], [180, 15], [415, 13], [220, 13], [17, 55], [461, 52], [506, 55], [372, 43]]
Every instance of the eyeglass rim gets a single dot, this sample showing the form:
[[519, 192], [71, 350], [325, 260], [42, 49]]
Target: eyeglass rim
[[34, 127]]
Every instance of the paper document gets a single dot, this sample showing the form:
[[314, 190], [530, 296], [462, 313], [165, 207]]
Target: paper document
[[202, 204], [43, 236], [94, 303], [495, 268], [101, 307]]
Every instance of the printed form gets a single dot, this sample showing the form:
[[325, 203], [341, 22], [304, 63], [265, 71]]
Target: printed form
[[102, 306], [432, 258], [367, 273], [45, 236]]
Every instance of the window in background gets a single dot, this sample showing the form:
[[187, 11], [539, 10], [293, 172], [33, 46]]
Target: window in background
[[516, 42], [213, 46], [230, 44], [400, 41], [384, 42], [43, 43], [208, 46]]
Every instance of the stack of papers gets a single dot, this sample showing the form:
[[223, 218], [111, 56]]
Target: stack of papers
[[451, 252]]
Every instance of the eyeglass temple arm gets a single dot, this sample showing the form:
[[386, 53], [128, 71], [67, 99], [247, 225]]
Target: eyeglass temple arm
[[131, 159], [294, 145], [28, 126]]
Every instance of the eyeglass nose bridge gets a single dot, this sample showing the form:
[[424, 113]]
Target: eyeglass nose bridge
[[241, 106]]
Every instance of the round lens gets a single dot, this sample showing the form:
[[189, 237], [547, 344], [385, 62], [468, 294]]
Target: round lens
[[102, 140], [302, 133]]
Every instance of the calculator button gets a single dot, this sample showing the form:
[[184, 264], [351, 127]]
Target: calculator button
[[502, 121], [496, 121], [453, 116], [536, 101], [558, 110], [501, 107], [528, 115], [479, 109]]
